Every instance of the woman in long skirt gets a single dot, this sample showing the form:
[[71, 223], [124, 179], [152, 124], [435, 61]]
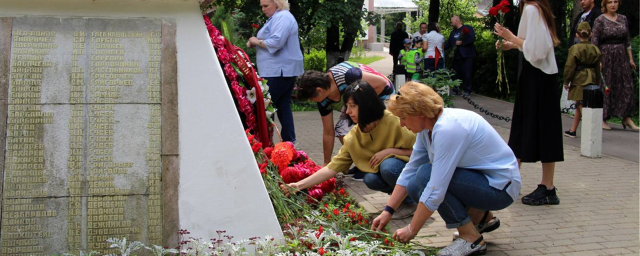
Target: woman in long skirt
[[536, 129]]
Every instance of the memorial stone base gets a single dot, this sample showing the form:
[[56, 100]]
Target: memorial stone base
[[90, 94]]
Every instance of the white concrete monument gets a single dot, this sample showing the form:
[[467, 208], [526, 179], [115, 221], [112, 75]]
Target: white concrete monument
[[117, 121]]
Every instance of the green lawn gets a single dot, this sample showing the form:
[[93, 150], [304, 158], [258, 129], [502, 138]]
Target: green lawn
[[366, 59]]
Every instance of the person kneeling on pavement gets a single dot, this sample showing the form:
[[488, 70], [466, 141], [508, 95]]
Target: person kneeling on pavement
[[460, 166], [377, 145]]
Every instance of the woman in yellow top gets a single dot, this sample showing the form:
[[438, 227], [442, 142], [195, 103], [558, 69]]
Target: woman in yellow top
[[377, 145]]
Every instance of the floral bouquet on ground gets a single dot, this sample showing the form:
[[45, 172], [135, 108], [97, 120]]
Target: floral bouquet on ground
[[499, 11]]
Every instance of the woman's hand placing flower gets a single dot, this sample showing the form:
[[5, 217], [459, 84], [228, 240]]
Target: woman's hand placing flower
[[380, 222], [404, 235], [290, 188]]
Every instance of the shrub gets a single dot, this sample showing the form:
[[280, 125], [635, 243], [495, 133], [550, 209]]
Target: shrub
[[315, 60]]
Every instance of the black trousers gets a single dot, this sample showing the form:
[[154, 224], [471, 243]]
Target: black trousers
[[395, 60]]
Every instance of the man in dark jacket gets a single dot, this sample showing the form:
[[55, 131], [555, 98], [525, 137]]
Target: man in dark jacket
[[589, 14], [462, 38], [396, 43]]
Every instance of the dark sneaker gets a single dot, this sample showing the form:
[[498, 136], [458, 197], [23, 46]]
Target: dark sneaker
[[541, 196], [404, 211], [357, 175], [570, 134]]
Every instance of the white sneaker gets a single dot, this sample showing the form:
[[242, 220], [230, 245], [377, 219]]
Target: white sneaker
[[461, 247]]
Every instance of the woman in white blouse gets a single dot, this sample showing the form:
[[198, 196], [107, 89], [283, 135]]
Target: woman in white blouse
[[433, 59], [536, 129]]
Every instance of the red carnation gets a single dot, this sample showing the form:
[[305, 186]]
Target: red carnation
[[290, 175], [328, 185], [504, 3], [465, 31], [316, 194], [263, 168], [505, 9], [267, 151], [493, 11], [321, 251], [256, 26], [282, 154], [230, 72], [256, 147], [336, 212]]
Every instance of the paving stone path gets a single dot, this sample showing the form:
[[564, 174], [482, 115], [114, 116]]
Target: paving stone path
[[597, 215]]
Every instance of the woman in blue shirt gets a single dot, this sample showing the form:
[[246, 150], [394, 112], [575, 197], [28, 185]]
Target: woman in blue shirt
[[279, 59], [460, 166]]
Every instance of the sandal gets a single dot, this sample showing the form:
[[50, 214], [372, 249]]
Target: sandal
[[484, 226], [487, 226]]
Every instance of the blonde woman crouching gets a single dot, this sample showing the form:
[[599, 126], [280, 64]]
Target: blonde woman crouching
[[460, 166]]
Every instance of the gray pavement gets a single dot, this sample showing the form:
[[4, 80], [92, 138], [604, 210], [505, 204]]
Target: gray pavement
[[599, 204]]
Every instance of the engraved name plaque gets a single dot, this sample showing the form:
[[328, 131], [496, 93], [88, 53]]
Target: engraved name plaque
[[83, 138]]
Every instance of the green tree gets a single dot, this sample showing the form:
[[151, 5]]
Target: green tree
[[339, 19]]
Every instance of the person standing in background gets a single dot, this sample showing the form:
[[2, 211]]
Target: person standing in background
[[422, 32], [582, 69], [588, 14], [536, 127], [279, 59], [433, 47], [462, 38], [396, 42], [611, 35]]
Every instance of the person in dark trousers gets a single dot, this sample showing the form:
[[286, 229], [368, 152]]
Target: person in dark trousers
[[588, 14], [462, 38], [396, 43]]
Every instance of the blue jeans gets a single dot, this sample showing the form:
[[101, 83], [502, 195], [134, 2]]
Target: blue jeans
[[468, 188], [385, 179], [280, 89]]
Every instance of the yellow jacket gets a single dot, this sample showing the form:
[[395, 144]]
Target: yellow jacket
[[359, 146]]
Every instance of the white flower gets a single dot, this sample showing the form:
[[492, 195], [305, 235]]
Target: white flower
[[267, 102], [251, 95]]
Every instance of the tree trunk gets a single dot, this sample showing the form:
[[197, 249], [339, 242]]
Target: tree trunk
[[559, 9], [434, 10], [335, 52], [576, 10]]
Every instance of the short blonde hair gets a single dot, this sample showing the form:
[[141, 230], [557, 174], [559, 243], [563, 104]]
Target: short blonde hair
[[416, 99], [281, 4]]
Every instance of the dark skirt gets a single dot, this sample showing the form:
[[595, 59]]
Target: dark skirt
[[536, 126]]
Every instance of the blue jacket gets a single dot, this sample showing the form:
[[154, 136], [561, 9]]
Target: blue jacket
[[467, 49]]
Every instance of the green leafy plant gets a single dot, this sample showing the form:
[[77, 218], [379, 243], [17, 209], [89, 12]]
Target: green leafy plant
[[442, 81], [315, 60]]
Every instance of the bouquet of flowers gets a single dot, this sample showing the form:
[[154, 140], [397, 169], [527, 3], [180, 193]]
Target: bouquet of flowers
[[499, 11]]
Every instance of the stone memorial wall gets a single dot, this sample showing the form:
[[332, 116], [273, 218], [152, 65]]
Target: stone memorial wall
[[84, 133]]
